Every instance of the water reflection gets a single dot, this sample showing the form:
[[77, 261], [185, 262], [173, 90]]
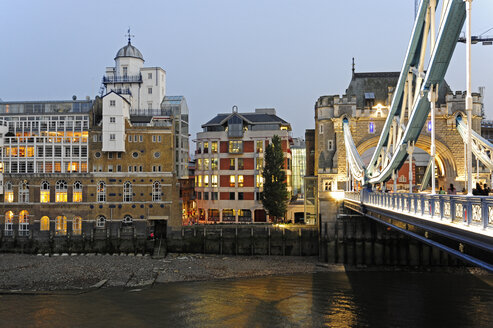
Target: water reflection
[[359, 299]]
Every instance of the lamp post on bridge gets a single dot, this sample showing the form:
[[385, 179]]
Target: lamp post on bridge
[[432, 97], [468, 96]]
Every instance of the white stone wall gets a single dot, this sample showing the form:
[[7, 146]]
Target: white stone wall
[[114, 122]]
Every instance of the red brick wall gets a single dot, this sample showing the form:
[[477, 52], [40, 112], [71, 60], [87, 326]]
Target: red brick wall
[[248, 163], [224, 147], [224, 196], [248, 181], [224, 163], [248, 196], [248, 146], [284, 145], [224, 180]]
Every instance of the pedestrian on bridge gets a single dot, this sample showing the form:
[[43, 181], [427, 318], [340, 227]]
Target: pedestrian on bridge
[[451, 190]]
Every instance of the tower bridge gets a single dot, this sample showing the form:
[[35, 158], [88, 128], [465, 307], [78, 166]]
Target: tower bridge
[[370, 136]]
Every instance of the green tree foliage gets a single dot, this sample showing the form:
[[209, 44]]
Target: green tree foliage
[[275, 194]]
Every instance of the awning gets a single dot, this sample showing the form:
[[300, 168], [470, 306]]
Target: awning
[[165, 217]]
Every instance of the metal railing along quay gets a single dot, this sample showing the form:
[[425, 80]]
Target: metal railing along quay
[[473, 213]]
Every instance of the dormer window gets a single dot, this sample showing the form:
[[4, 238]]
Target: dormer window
[[235, 126]]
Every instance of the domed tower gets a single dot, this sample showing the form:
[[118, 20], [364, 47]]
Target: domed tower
[[129, 61]]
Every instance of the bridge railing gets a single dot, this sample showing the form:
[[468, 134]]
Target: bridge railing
[[467, 211]]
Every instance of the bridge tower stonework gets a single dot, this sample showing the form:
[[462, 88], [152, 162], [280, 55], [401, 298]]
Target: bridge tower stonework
[[365, 105]]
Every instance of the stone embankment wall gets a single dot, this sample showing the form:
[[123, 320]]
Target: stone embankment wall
[[289, 240]]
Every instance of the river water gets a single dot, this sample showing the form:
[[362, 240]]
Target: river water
[[333, 299]]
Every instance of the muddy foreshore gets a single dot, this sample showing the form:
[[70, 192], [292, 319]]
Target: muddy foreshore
[[21, 273]]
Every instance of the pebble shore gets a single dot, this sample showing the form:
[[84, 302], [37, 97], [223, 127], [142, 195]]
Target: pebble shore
[[30, 273]]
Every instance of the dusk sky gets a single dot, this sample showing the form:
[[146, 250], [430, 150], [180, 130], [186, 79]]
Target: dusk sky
[[252, 54]]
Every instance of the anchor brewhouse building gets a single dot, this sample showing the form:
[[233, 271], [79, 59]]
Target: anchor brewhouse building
[[82, 167]]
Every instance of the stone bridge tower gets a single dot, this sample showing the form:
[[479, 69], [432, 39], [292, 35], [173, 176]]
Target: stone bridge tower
[[365, 104]]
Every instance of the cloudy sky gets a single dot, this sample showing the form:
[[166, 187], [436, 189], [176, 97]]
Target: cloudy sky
[[220, 53]]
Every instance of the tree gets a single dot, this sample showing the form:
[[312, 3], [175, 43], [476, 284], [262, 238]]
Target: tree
[[275, 194]]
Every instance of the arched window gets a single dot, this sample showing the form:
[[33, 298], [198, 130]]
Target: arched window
[[9, 193], [156, 192], [61, 225], [9, 222], [100, 221], [127, 220], [23, 192], [77, 192], [23, 223], [101, 193], [61, 191], [127, 191], [45, 223], [77, 225], [44, 196]]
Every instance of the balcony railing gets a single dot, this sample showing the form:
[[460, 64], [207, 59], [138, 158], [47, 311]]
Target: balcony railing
[[122, 91], [149, 112], [122, 79]]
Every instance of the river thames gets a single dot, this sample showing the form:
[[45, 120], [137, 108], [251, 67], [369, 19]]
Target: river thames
[[333, 299]]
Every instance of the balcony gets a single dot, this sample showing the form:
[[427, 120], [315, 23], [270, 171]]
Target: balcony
[[122, 79], [122, 91]]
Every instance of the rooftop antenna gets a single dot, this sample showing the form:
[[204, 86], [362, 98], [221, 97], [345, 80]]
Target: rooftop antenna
[[130, 36]]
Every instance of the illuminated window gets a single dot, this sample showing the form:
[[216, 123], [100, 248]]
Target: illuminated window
[[232, 179], [206, 181], [61, 191], [371, 127], [214, 162], [214, 180], [45, 223], [23, 223], [240, 181], [72, 167], [199, 164], [9, 193], [44, 196], [77, 192], [260, 181], [206, 147], [23, 192], [77, 225], [214, 147], [260, 146], [127, 192], [9, 222], [100, 221], [101, 192], [206, 164], [235, 147], [199, 181], [61, 225], [156, 192], [1, 167], [232, 163], [259, 163]]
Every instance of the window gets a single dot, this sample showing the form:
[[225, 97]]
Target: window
[[61, 191], [141, 138], [260, 146], [149, 76], [127, 192], [135, 154], [231, 196], [23, 223], [240, 181], [321, 129], [153, 138], [206, 147], [199, 181], [259, 163], [44, 196], [9, 193], [214, 180], [157, 154], [112, 119], [118, 168], [127, 220], [214, 162], [206, 195], [214, 195], [232, 179], [241, 165], [206, 164], [156, 192], [112, 103], [330, 144], [199, 164], [112, 137], [61, 225], [260, 181], [136, 138], [77, 192], [129, 138], [110, 155], [149, 91], [214, 147], [232, 164], [149, 105], [77, 225], [125, 69], [101, 192], [240, 195], [9, 222], [45, 223], [100, 221], [97, 154], [206, 181], [235, 147], [94, 139], [371, 127]]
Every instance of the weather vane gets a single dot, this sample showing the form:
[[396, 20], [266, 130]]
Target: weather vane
[[130, 36]]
